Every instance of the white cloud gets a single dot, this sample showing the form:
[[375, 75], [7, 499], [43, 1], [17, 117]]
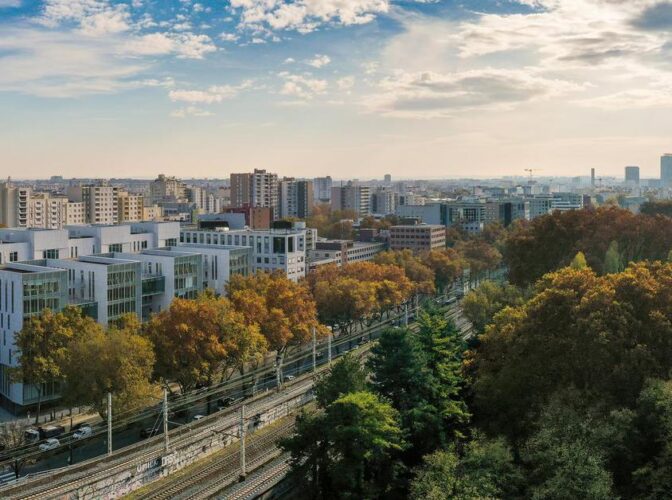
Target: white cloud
[[190, 111], [319, 61], [306, 15], [301, 86], [94, 17], [214, 94], [228, 37], [184, 45], [289, 60], [4, 4]]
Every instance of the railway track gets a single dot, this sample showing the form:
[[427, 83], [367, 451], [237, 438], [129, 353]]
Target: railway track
[[260, 482], [224, 470]]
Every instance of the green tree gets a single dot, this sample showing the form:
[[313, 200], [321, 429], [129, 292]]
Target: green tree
[[119, 361], [346, 451], [485, 470], [612, 259], [345, 376], [579, 261]]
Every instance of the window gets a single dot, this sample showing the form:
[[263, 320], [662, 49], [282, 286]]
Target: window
[[52, 253], [13, 256], [116, 248]]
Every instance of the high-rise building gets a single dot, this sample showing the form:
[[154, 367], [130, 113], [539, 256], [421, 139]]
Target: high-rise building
[[130, 207], [323, 187], [632, 175], [388, 179], [383, 201], [166, 189], [666, 169], [14, 204], [296, 198], [592, 177], [46, 211], [258, 189], [352, 196], [101, 202]]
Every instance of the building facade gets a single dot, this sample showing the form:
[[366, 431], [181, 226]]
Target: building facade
[[419, 237]]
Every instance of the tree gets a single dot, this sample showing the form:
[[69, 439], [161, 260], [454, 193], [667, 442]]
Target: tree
[[284, 311], [565, 455], [548, 243], [345, 376], [579, 262], [480, 305], [195, 340], [480, 256], [446, 264], [119, 361], [415, 270], [347, 451], [42, 346], [421, 376], [605, 335], [357, 292], [13, 435], [486, 470], [612, 259]]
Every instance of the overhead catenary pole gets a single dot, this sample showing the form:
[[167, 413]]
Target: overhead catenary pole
[[109, 423], [314, 349], [406, 314], [165, 419], [329, 347], [242, 444]]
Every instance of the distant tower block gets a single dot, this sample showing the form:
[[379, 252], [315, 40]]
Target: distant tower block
[[592, 177]]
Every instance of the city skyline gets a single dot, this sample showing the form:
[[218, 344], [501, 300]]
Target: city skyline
[[360, 88]]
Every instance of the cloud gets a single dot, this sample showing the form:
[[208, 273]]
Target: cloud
[[190, 111], [94, 17], [301, 86], [228, 37], [4, 4], [214, 94], [430, 95], [345, 83], [305, 16], [319, 61]]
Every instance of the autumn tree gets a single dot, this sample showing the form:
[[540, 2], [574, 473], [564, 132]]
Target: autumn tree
[[446, 264], [42, 346], [550, 242], [284, 311], [479, 256], [480, 305], [197, 340], [415, 270], [117, 361], [605, 335]]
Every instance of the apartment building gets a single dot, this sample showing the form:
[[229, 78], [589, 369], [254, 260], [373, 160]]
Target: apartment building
[[341, 252], [383, 201], [101, 202], [419, 237], [167, 189], [130, 207], [14, 204], [353, 197], [296, 198], [323, 187], [272, 250]]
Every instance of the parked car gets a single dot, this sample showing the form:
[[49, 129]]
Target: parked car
[[83, 432], [50, 444], [198, 417], [225, 402], [289, 378]]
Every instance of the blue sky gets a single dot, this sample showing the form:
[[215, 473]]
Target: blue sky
[[351, 88]]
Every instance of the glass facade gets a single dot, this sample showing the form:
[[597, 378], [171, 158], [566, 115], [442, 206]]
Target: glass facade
[[240, 260], [122, 289], [44, 290], [188, 276]]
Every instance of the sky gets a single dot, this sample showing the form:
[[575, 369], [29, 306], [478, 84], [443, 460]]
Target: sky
[[348, 88]]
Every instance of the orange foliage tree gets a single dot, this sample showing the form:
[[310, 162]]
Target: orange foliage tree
[[284, 311], [196, 340]]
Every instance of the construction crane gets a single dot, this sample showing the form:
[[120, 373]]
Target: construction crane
[[531, 171]]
